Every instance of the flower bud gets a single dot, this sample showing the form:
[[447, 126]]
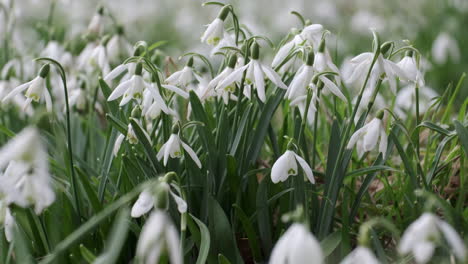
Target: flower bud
[[322, 46], [255, 50], [190, 62], [380, 114], [232, 61], [175, 129], [385, 48], [44, 71], [161, 196], [139, 69], [310, 59], [224, 12]]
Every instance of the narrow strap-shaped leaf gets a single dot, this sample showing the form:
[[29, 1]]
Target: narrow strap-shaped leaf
[[250, 232], [149, 151], [204, 244]]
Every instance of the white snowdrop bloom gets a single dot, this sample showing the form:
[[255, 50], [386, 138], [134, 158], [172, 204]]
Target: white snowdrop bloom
[[302, 79], [132, 88], [370, 134], [286, 165], [146, 201], [445, 47], [78, 98], [298, 246], [183, 77], [301, 103], [405, 99], [310, 36], [360, 255], [153, 104], [421, 237], [98, 59], [18, 100], [95, 26], [173, 148], [409, 66], [255, 75], [226, 93], [27, 171], [17, 66], [158, 235], [35, 90], [362, 62], [215, 30], [131, 137], [129, 68], [118, 47]]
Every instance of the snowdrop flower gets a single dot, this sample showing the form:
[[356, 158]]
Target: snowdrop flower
[[367, 136], [153, 104], [360, 255], [131, 138], [118, 47], [35, 90], [96, 24], [27, 171], [129, 68], [421, 236], [298, 246], [362, 62], [310, 36], [215, 31], [183, 77], [303, 77], [158, 235], [97, 58], [173, 148], [409, 66], [323, 61], [445, 47], [227, 92], [146, 200], [130, 89], [406, 99], [255, 74], [286, 165]]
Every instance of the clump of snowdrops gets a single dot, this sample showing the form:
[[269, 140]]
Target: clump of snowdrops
[[118, 153]]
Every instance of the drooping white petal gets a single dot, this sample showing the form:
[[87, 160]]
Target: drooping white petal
[[176, 90], [307, 170], [192, 154], [454, 240], [17, 90], [181, 204], [259, 81], [372, 135], [118, 143], [143, 205], [236, 75], [273, 76], [120, 90]]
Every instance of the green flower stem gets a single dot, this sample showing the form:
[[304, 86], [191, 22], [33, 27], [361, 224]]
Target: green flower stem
[[69, 138], [314, 146]]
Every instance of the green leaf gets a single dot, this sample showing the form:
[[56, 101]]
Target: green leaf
[[250, 232], [106, 91], [87, 254], [204, 244], [437, 156], [371, 169], [121, 127], [221, 233], [264, 122], [263, 216], [116, 239], [330, 243], [435, 127], [223, 260], [462, 133]]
